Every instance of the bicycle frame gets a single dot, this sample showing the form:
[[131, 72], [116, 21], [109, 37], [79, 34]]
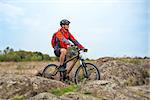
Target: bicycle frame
[[76, 58]]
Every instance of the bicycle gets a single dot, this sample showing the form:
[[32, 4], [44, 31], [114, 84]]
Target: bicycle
[[86, 71]]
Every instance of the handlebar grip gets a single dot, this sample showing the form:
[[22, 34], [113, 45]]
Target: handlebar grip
[[85, 50], [71, 45]]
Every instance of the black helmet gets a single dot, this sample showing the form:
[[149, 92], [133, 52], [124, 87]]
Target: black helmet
[[64, 22]]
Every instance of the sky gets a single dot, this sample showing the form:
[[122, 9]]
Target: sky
[[105, 27]]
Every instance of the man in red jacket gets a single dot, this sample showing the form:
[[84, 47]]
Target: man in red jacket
[[62, 42]]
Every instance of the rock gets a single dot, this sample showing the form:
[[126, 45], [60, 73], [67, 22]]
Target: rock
[[134, 93], [145, 68], [27, 86], [102, 60], [105, 59], [77, 96], [121, 73], [45, 96], [38, 73], [102, 89], [111, 91]]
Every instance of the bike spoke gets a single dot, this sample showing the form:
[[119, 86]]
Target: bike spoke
[[89, 72], [51, 72]]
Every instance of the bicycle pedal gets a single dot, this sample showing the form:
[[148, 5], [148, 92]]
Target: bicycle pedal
[[62, 70], [67, 77]]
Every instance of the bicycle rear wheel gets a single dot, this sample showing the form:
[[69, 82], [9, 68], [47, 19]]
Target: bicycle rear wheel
[[88, 72], [51, 72]]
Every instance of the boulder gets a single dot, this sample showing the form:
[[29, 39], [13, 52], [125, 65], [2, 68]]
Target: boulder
[[78, 96], [45, 96], [121, 73], [13, 85], [134, 93], [102, 89], [106, 90]]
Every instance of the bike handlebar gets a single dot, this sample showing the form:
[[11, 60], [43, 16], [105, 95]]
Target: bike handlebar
[[84, 50], [78, 49]]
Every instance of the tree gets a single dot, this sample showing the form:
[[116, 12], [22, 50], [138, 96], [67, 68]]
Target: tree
[[8, 49]]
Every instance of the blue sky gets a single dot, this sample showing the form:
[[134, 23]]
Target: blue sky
[[105, 27]]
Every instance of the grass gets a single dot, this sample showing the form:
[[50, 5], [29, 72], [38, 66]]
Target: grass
[[146, 74], [18, 98], [61, 91], [132, 60]]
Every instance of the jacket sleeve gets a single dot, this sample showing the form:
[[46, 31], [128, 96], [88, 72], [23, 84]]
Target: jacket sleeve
[[72, 39]]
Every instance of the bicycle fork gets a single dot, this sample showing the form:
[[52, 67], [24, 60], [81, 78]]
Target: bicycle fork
[[84, 69]]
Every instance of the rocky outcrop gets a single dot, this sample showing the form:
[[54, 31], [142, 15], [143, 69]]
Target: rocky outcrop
[[121, 73], [45, 96], [78, 96], [102, 89], [107, 90], [119, 81], [134, 93], [12, 85]]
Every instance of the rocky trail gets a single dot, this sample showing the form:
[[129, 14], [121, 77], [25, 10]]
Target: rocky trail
[[125, 79]]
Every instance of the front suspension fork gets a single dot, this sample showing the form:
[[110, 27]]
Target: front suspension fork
[[84, 67]]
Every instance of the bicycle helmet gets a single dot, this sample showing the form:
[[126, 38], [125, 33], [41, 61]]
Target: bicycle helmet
[[64, 22]]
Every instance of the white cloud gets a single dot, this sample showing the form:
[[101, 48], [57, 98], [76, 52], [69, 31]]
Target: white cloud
[[15, 17], [10, 10]]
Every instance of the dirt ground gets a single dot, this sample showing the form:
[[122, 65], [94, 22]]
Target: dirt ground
[[27, 68]]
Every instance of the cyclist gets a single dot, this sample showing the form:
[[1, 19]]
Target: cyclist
[[61, 42]]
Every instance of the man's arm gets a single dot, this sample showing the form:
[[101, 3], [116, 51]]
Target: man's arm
[[72, 39]]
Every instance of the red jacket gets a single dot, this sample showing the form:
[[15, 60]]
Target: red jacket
[[62, 37]]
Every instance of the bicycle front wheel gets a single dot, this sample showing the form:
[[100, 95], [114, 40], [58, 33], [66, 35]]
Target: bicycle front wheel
[[87, 72], [51, 72]]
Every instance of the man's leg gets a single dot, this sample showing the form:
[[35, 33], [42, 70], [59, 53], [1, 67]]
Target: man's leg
[[62, 56]]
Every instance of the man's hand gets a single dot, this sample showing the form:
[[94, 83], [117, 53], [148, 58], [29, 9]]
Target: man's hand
[[85, 50], [69, 45]]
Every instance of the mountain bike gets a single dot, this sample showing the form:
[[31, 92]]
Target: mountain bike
[[85, 71]]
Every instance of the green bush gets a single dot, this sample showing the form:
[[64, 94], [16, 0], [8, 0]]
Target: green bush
[[10, 55]]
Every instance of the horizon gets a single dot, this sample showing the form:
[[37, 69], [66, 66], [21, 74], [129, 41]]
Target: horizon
[[107, 28], [124, 56]]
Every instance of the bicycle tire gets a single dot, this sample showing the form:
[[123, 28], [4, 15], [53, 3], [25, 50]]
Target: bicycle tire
[[80, 74], [48, 72]]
